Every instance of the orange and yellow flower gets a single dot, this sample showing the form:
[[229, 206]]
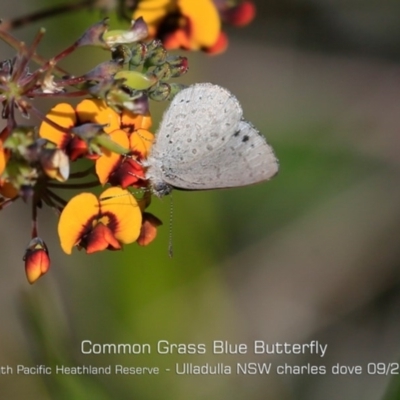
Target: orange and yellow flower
[[96, 224], [125, 170], [64, 115], [67, 117], [105, 128], [116, 217], [128, 130], [193, 25]]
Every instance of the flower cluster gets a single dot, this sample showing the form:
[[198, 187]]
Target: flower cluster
[[104, 138]]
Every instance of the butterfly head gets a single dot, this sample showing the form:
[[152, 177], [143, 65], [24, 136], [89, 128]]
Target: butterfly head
[[160, 188]]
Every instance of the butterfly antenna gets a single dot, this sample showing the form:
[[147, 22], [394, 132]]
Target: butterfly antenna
[[171, 215], [143, 137], [136, 193], [113, 196]]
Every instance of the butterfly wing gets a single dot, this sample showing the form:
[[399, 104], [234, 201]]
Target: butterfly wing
[[198, 115], [244, 159], [203, 143]]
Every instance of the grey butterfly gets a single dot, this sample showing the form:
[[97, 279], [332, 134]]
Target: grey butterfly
[[203, 142]]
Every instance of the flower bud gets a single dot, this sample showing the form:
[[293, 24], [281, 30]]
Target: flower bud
[[178, 66], [138, 54], [160, 92], [104, 71], [137, 31], [121, 54], [136, 80], [55, 163], [157, 57], [94, 36], [37, 260], [175, 88], [162, 72]]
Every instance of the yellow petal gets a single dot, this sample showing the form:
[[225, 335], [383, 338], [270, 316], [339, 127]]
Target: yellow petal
[[106, 163], [154, 11], [205, 23], [124, 206], [62, 114], [131, 121], [3, 158], [74, 219], [141, 141], [97, 111]]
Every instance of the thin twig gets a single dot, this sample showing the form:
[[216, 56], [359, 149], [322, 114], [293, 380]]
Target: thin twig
[[46, 13]]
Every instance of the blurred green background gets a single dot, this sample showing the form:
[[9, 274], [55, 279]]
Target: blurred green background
[[312, 255]]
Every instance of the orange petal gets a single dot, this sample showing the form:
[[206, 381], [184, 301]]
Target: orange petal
[[128, 173], [242, 14], [178, 39], [124, 206], [109, 160], [141, 141], [97, 111], [101, 238], [204, 22], [77, 148], [148, 230], [219, 46], [62, 114], [3, 158], [130, 121], [8, 190], [36, 265], [74, 219]]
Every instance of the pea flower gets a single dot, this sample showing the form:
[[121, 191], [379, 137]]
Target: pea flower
[[101, 140], [193, 25]]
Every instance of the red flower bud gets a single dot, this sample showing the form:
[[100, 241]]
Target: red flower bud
[[37, 260]]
